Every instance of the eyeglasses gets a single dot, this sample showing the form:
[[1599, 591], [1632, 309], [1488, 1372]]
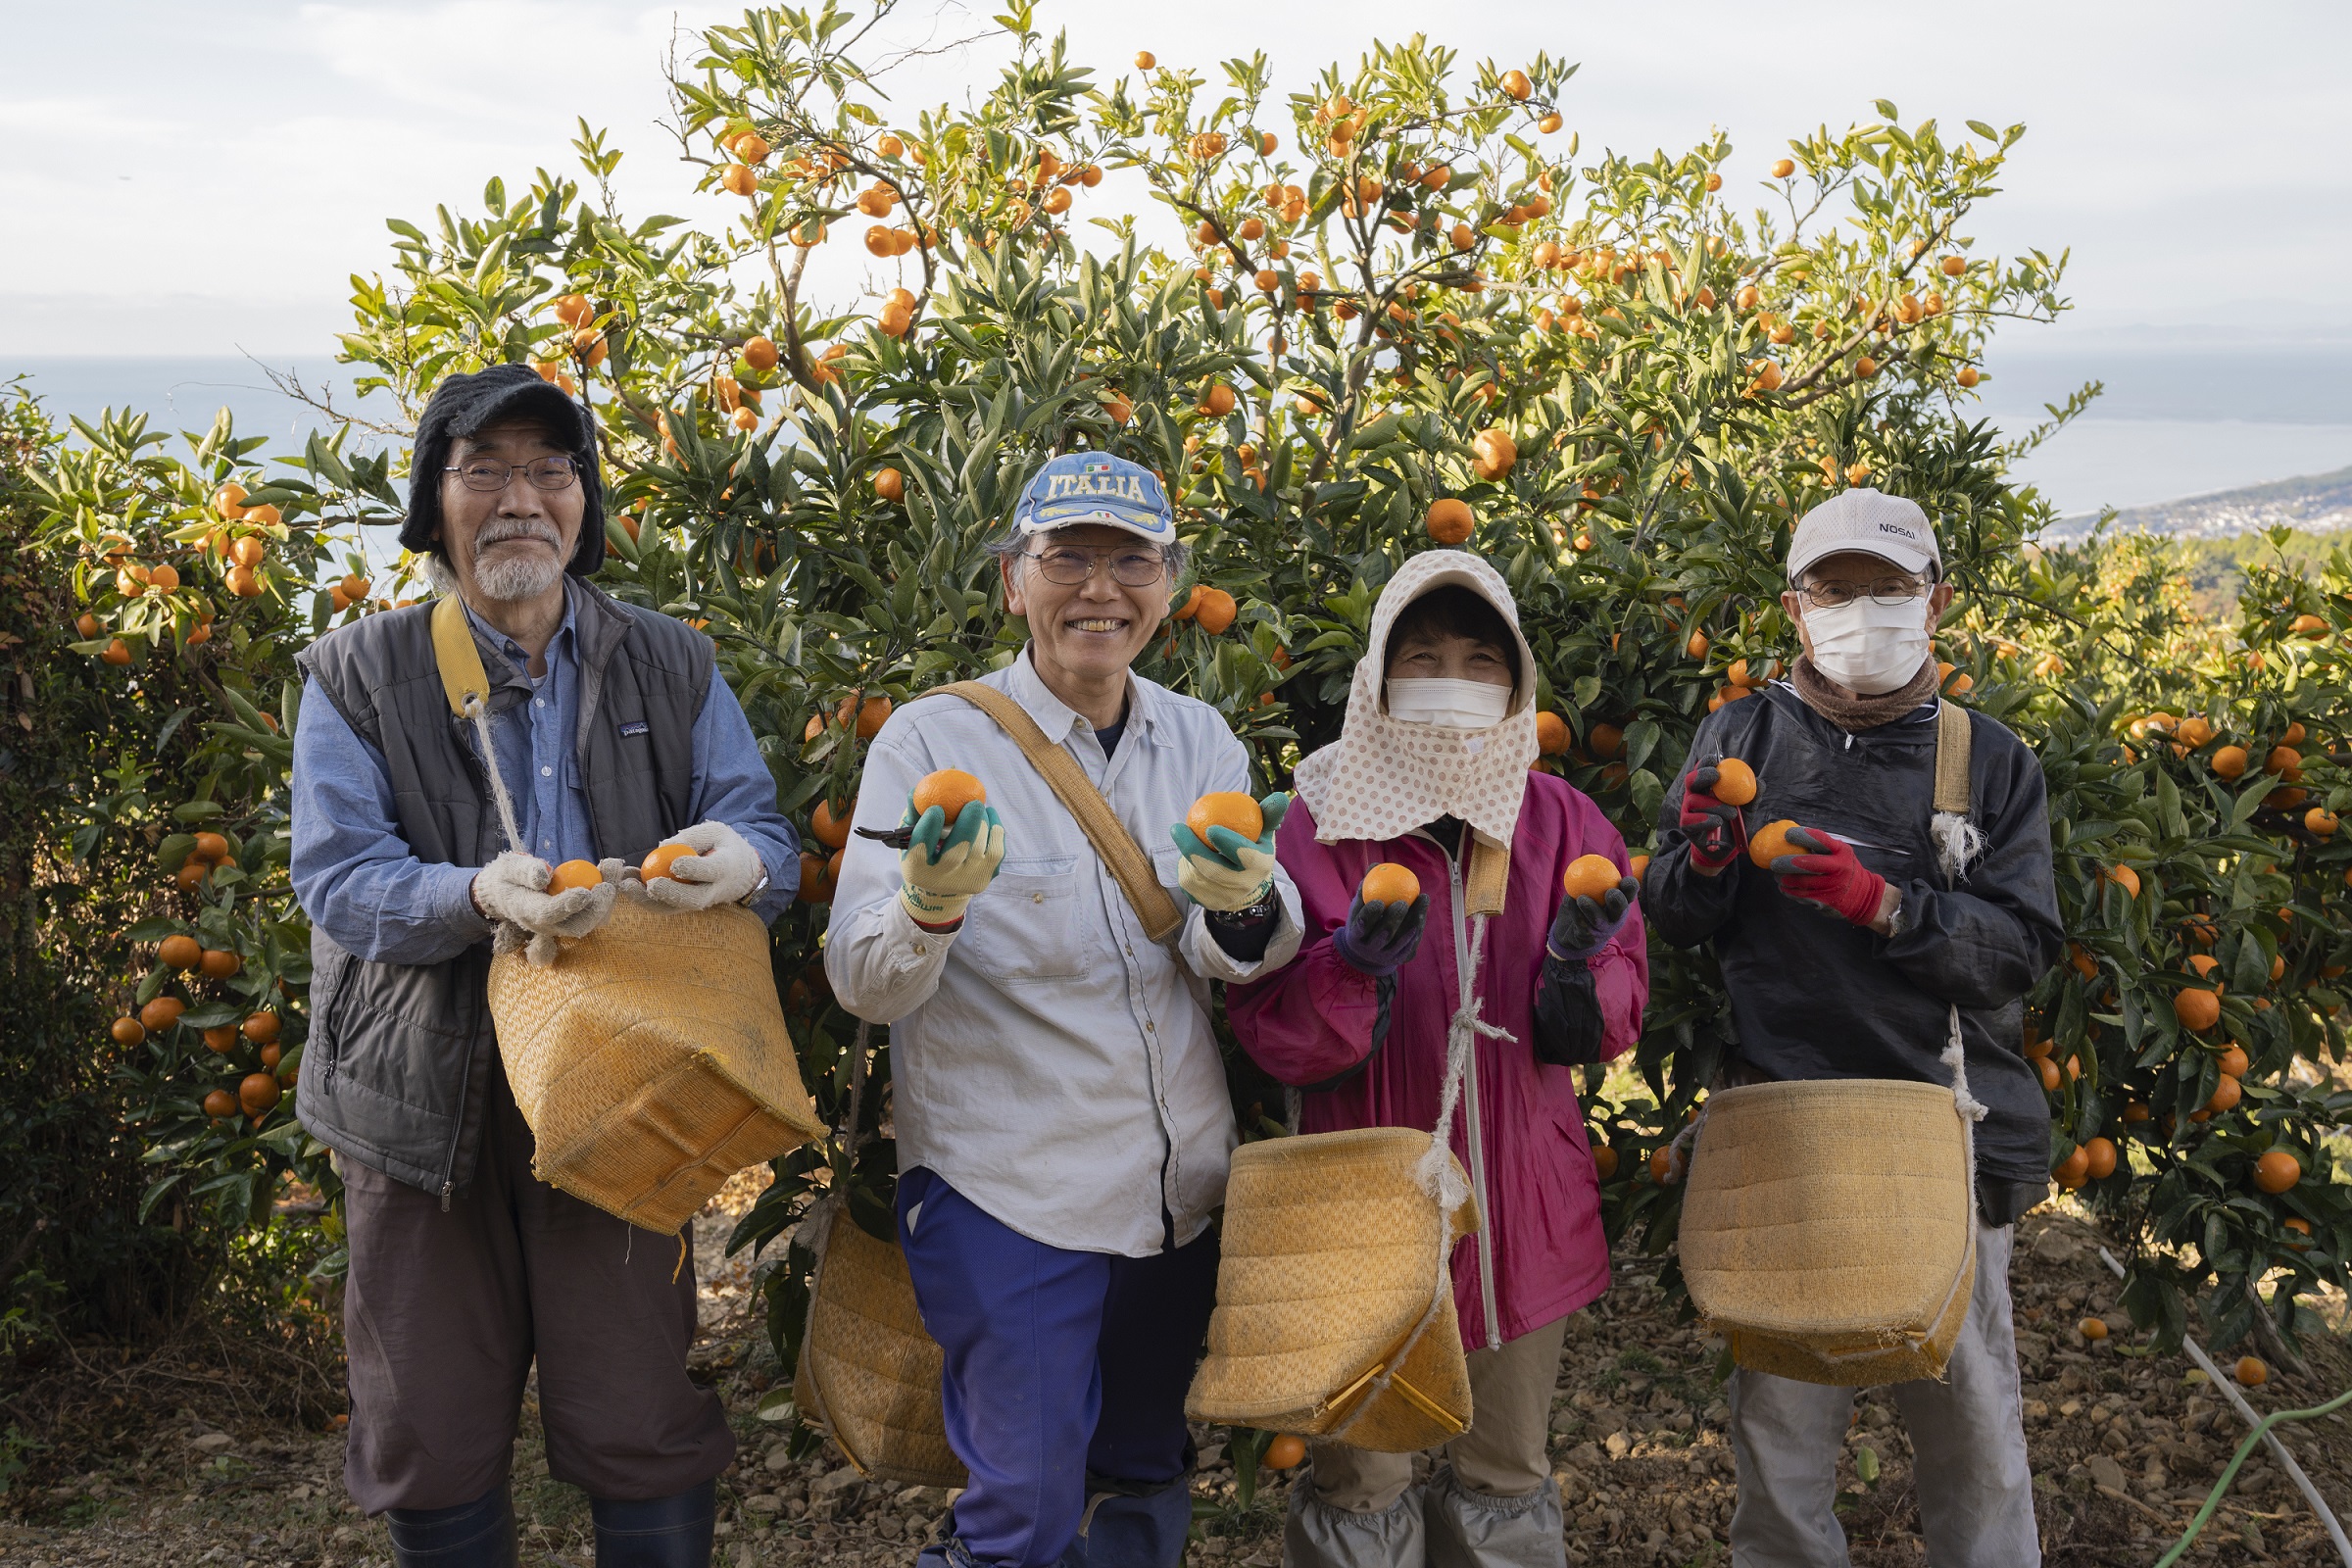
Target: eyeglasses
[[1069, 565], [546, 474], [1834, 595]]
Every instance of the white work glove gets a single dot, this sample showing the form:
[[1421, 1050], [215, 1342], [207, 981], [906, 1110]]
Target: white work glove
[[512, 890], [942, 868], [1229, 872], [723, 869]]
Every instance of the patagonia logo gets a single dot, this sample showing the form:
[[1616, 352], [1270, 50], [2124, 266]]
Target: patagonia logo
[[635, 726]]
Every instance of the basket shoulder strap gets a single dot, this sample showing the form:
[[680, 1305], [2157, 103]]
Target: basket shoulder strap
[[460, 661], [1129, 865], [1488, 876], [1952, 741], [466, 685]]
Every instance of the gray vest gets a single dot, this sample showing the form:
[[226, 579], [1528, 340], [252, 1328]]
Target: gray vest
[[396, 1066]]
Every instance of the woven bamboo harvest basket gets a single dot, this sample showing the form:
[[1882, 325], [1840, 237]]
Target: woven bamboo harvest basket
[[651, 1060], [1817, 1265], [868, 1373], [1330, 1265]]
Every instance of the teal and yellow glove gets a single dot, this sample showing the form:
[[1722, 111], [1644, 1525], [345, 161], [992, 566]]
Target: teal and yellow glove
[[1229, 872], [942, 868]]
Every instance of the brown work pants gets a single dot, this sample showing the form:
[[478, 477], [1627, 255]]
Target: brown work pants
[[444, 1312], [1501, 1455]]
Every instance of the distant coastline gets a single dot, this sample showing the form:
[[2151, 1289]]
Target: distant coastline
[[2204, 431], [2313, 504]]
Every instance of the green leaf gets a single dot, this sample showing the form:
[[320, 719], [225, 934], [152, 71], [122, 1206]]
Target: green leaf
[[1641, 739]]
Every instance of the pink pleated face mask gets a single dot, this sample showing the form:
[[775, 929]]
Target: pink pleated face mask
[[1389, 772]]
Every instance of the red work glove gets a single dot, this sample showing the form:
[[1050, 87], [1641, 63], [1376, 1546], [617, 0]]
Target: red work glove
[[1831, 877], [1718, 833]]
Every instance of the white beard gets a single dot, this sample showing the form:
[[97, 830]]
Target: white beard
[[522, 577], [512, 576]]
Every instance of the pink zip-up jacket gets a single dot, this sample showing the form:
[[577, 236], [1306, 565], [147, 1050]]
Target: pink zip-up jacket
[[1540, 1253]]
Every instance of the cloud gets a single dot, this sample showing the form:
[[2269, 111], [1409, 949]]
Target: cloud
[[240, 158]]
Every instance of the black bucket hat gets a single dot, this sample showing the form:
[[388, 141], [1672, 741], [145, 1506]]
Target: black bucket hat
[[464, 404]]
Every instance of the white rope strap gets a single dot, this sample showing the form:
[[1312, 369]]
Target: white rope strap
[[480, 711], [1437, 1172]]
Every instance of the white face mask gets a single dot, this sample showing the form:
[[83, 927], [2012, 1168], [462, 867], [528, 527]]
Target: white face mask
[[1451, 704], [1869, 647]]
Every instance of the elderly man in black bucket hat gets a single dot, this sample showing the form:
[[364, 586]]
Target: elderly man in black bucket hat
[[610, 735]]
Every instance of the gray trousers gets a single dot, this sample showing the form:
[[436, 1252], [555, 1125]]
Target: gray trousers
[[445, 1310], [1968, 1442], [1492, 1505]]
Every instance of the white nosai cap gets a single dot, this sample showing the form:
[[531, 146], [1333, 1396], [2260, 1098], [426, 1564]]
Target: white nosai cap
[[1871, 522]]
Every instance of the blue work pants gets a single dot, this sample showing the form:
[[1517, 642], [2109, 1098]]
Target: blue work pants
[[1059, 1366]]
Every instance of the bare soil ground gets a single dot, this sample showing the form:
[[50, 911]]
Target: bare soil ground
[[164, 1462]]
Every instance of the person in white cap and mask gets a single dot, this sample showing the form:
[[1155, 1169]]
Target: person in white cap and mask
[[1847, 960]]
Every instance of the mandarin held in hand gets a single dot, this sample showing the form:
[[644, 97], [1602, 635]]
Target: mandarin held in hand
[[1389, 883], [659, 858], [573, 874], [950, 788], [1591, 876], [1771, 843], [1734, 782], [1226, 808]]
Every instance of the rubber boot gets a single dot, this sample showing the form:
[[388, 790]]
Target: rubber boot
[[1131, 1524], [472, 1535], [672, 1531], [1471, 1530]]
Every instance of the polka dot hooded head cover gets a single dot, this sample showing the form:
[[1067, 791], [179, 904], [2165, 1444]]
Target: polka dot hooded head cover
[[1385, 776]]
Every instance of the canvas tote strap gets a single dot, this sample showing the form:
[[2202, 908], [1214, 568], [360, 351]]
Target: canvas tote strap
[[1952, 741], [462, 677], [1129, 865], [1953, 797]]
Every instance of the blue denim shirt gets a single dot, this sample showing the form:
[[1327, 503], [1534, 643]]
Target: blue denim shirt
[[356, 877]]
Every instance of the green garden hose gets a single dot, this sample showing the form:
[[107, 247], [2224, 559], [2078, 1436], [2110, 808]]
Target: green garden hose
[[2261, 1430]]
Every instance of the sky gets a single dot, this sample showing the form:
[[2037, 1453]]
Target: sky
[[190, 187], [201, 179]]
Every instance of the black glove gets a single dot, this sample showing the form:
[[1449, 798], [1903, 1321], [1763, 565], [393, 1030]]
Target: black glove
[[1380, 939], [1718, 833], [1584, 926]]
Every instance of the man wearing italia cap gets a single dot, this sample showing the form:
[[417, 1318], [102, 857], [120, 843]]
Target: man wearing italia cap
[[1059, 1104], [1851, 960]]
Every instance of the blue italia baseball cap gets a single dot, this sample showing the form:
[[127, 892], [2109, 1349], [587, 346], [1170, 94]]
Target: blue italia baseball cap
[[1083, 487]]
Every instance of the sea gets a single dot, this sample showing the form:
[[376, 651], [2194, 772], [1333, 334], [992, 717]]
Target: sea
[[2184, 411]]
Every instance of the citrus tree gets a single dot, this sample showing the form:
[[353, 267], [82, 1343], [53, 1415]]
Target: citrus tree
[[1388, 309], [175, 590]]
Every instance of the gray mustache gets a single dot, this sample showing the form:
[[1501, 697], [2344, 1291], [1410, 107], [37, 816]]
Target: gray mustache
[[499, 536]]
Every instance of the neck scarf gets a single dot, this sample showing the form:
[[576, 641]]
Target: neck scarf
[[1852, 713], [1385, 776]]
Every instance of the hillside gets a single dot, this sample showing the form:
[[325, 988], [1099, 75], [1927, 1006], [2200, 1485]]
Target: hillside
[[2320, 503]]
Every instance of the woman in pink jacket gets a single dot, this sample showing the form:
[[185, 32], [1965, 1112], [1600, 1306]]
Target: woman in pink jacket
[[1431, 771]]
